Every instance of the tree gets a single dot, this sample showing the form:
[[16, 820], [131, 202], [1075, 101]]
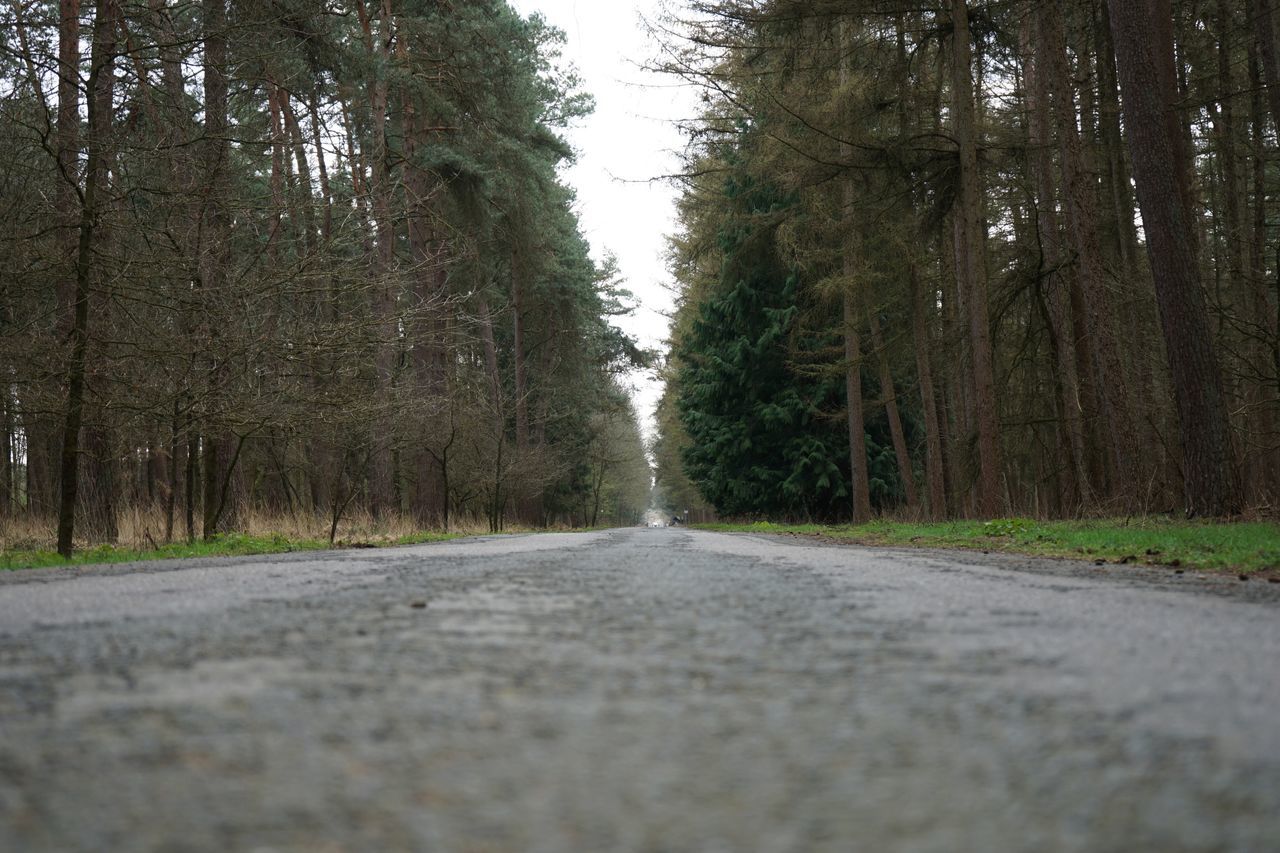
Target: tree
[[1142, 51]]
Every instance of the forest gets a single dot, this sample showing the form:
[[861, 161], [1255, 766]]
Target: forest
[[267, 258], [966, 259]]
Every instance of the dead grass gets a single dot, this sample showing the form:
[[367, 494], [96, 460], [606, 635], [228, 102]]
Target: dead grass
[[143, 529]]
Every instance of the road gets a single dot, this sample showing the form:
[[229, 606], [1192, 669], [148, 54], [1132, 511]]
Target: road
[[637, 690]]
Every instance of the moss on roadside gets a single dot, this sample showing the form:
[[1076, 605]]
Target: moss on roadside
[[1217, 546]]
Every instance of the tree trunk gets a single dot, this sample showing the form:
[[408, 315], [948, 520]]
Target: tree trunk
[[1112, 382], [171, 498], [101, 78], [6, 453], [972, 274], [68, 145], [887, 392], [933, 461], [1053, 283], [217, 461], [853, 395], [382, 468], [519, 355], [1212, 488], [192, 481]]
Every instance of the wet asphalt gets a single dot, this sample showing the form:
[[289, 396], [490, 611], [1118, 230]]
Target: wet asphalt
[[637, 690]]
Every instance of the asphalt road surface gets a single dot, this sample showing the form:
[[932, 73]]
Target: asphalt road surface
[[637, 690]]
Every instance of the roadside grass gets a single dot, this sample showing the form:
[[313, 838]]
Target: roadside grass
[[227, 545], [1240, 547], [27, 543]]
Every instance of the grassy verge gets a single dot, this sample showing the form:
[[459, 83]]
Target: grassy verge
[[228, 545], [1237, 547]]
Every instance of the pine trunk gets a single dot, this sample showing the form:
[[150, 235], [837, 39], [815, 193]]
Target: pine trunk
[[1212, 488], [933, 462], [101, 78], [1112, 382], [853, 395], [972, 274], [1053, 284], [905, 473]]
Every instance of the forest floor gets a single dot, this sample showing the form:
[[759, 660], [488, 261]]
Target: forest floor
[[1248, 549]]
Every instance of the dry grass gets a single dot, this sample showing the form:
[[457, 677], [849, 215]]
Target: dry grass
[[143, 529]]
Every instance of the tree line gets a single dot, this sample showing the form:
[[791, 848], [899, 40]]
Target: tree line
[[972, 258], [297, 256]]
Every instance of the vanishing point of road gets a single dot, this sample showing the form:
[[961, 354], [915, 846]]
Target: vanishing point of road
[[637, 690]]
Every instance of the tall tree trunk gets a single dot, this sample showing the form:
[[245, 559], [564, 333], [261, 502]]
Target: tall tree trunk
[[860, 480], [491, 361], [853, 396], [43, 431], [1238, 292], [519, 355], [890, 396], [1212, 488], [171, 497], [426, 346], [1267, 327], [192, 479], [218, 460], [277, 174], [934, 464], [972, 273], [306, 193], [6, 452], [1053, 283], [382, 476], [101, 78], [1170, 82], [1262, 13], [1080, 203]]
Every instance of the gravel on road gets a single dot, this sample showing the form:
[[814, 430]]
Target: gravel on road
[[637, 690]]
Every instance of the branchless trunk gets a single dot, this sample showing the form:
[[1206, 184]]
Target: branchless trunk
[[1110, 376], [277, 173], [971, 270], [306, 194], [1053, 283], [853, 395], [519, 355], [854, 415], [382, 476], [491, 360], [921, 307], [219, 458], [426, 345], [890, 396], [1267, 328], [1241, 296], [6, 450], [1212, 488]]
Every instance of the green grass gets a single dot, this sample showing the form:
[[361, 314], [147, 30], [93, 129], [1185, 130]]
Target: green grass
[[1229, 546], [226, 545], [424, 537]]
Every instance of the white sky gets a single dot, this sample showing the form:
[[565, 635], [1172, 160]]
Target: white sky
[[629, 140]]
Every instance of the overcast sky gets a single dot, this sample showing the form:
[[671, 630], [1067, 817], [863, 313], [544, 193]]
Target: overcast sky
[[629, 141]]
